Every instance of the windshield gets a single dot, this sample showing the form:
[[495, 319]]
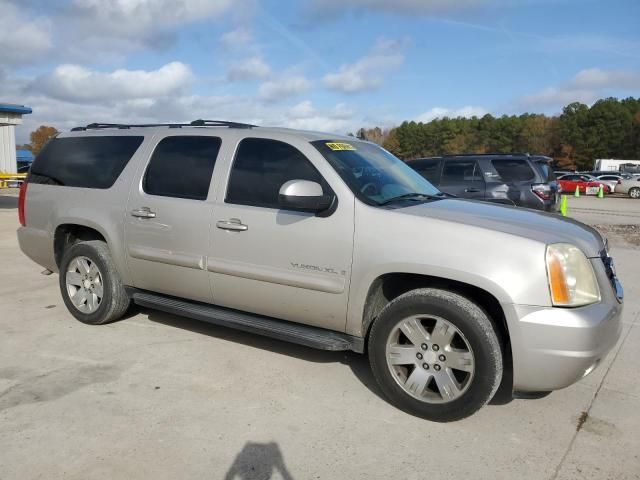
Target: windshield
[[374, 175]]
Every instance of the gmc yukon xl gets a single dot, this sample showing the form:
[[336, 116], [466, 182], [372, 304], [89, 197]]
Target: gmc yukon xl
[[326, 241]]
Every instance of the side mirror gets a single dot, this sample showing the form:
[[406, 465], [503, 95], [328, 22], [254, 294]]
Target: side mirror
[[304, 195]]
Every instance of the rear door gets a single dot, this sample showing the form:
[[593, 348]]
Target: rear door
[[462, 177], [168, 217]]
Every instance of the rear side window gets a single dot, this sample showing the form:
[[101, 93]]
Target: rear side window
[[429, 168], [88, 162], [182, 166], [461, 171], [547, 172], [514, 170], [261, 167]]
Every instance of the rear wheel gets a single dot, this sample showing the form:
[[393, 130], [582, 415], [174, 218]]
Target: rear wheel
[[90, 284], [435, 354], [634, 192]]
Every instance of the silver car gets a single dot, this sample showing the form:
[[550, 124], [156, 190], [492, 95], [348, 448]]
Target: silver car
[[630, 186], [326, 241]]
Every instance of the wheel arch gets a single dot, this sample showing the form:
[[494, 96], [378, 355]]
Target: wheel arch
[[67, 234], [389, 286]]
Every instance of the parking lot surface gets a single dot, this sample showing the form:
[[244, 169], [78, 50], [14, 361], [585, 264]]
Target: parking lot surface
[[164, 397]]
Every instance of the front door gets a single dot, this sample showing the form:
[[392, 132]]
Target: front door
[[281, 263], [168, 218]]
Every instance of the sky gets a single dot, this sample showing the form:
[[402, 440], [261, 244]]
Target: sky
[[330, 65]]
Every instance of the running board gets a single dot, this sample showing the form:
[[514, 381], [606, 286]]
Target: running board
[[313, 337]]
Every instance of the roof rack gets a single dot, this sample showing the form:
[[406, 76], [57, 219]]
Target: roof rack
[[195, 123]]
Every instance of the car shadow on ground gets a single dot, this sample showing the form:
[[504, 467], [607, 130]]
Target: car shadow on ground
[[358, 363], [8, 202]]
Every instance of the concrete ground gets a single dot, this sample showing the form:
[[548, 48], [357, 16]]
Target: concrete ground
[[163, 397]]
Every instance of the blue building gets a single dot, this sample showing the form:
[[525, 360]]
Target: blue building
[[10, 116]]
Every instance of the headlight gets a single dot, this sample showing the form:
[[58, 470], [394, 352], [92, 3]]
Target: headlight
[[572, 282]]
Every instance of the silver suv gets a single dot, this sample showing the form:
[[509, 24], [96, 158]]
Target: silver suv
[[325, 241]]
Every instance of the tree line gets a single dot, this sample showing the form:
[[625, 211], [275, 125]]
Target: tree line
[[610, 128]]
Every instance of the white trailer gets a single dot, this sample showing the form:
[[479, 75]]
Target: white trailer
[[612, 164]]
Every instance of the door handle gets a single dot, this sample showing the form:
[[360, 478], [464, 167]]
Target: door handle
[[143, 212], [233, 224], [472, 190]]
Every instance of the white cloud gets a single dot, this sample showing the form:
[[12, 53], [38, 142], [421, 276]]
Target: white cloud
[[23, 39], [75, 83], [249, 69], [367, 73], [441, 112], [399, 7], [305, 116], [586, 86], [240, 37], [303, 109], [282, 88], [140, 18]]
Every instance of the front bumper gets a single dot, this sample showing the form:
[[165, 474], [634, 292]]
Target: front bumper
[[553, 347]]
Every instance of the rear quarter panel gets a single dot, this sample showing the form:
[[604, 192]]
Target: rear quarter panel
[[49, 206]]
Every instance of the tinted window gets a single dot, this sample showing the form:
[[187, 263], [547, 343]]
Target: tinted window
[[547, 173], [182, 167], [458, 171], [429, 168], [513, 170], [89, 162], [571, 178], [261, 167]]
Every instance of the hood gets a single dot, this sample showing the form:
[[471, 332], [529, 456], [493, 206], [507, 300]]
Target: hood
[[536, 225]]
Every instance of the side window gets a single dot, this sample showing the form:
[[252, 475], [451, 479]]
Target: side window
[[429, 168], [261, 167], [461, 171], [84, 161], [513, 170], [181, 167]]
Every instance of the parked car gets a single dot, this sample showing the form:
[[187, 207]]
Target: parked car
[[630, 187], [326, 241], [511, 179], [611, 181], [587, 184]]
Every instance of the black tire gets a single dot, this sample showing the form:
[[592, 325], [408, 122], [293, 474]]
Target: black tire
[[471, 321], [634, 192], [114, 302]]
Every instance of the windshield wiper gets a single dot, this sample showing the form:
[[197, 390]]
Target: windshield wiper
[[409, 196]]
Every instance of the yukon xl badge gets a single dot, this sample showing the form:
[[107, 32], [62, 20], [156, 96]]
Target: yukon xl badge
[[316, 268]]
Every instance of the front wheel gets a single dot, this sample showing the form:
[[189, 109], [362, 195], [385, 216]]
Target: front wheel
[[90, 284], [634, 192], [435, 354]]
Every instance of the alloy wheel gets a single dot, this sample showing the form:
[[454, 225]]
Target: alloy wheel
[[430, 358], [84, 284]]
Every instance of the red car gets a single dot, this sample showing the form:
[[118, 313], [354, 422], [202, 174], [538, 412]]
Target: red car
[[587, 184]]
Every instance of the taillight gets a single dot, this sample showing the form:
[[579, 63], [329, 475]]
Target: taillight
[[542, 190], [21, 198]]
